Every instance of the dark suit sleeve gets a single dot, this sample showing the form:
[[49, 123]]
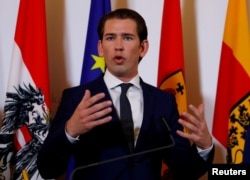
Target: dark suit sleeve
[[54, 155], [192, 167], [183, 159]]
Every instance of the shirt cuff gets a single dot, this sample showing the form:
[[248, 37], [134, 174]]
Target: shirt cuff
[[71, 139], [204, 152]]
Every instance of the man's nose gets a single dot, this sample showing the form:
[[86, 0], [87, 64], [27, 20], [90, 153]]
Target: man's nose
[[119, 44]]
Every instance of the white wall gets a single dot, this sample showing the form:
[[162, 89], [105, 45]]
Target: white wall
[[203, 26]]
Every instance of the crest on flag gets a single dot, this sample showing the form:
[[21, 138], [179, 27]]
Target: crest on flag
[[238, 124], [24, 128], [175, 84]]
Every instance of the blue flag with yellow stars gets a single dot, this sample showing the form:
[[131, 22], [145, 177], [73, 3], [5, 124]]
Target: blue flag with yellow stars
[[93, 65]]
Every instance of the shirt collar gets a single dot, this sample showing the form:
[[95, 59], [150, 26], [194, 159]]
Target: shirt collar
[[112, 81]]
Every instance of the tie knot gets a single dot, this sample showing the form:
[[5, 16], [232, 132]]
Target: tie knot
[[125, 87]]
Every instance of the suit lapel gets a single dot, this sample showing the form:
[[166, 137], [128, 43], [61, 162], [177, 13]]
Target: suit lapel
[[100, 86]]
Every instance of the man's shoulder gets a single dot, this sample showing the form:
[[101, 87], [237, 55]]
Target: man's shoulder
[[95, 84], [155, 89]]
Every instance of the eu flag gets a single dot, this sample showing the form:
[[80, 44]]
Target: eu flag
[[93, 65]]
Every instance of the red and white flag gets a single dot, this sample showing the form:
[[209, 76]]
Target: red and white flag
[[26, 110]]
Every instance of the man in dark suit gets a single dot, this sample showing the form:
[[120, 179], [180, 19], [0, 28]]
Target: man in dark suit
[[88, 123]]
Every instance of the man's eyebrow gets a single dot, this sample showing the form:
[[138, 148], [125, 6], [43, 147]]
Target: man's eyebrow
[[123, 34], [127, 34], [109, 34]]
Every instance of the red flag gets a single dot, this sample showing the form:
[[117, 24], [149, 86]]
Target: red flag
[[232, 107], [171, 60], [26, 110]]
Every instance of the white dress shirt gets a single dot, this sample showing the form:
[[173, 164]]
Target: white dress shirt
[[134, 95]]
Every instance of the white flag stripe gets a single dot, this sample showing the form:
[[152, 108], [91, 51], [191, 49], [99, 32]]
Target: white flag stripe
[[19, 73], [20, 138]]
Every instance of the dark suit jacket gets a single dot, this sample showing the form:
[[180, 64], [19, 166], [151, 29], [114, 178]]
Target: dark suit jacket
[[107, 141]]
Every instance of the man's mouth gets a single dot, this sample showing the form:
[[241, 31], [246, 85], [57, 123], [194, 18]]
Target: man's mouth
[[119, 59]]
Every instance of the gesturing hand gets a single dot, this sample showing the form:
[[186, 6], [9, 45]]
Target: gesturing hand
[[88, 114], [197, 127]]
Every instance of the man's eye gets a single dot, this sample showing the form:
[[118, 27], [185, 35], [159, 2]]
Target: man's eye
[[127, 38], [109, 38]]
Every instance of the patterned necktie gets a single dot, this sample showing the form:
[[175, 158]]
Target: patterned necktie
[[126, 115]]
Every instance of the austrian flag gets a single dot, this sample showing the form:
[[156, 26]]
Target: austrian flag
[[26, 110]]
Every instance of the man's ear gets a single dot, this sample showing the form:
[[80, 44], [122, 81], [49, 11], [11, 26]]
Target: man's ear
[[99, 48], [144, 48]]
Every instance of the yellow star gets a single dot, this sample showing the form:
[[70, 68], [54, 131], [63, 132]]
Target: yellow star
[[99, 63]]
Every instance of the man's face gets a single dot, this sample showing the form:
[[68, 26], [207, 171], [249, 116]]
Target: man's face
[[121, 48]]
